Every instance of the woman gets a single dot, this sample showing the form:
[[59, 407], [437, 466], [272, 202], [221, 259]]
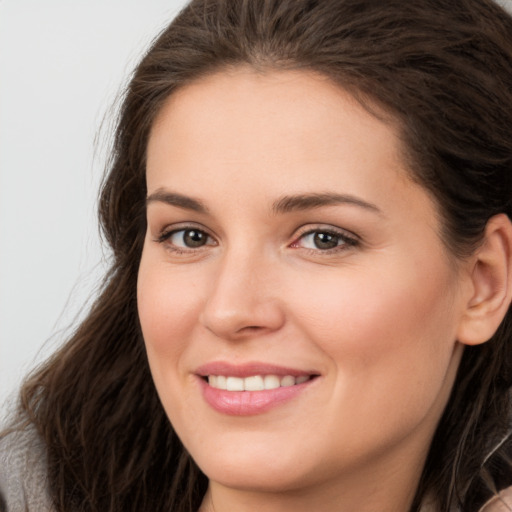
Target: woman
[[308, 205]]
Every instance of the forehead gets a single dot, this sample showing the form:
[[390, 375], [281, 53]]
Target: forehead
[[248, 137], [267, 118]]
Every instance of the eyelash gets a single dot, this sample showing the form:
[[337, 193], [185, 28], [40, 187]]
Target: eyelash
[[345, 240], [166, 235]]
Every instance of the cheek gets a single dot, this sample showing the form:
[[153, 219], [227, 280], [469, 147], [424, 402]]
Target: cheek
[[387, 334], [167, 306], [363, 309]]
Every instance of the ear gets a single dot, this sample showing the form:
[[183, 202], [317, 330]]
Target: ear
[[490, 274]]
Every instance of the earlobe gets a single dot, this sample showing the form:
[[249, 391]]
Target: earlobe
[[491, 280]]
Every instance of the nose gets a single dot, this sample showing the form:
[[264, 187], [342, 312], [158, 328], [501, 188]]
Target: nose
[[243, 299]]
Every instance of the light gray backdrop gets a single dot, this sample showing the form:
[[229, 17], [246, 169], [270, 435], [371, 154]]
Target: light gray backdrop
[[61, 65]]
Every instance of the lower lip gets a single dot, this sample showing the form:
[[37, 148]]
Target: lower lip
[[248, 403]]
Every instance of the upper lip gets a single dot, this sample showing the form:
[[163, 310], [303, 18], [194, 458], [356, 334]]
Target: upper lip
[[248, 369]]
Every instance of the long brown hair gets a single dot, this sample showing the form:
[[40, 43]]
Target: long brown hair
[[443, 72]]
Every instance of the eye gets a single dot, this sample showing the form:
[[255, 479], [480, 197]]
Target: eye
[[188, 238], [321, 240], [325, 240]]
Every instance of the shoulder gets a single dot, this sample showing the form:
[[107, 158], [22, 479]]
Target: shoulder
[[23, 478], [502, 502]]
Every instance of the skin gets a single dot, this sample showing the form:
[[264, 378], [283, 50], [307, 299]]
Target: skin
[[377, 320]]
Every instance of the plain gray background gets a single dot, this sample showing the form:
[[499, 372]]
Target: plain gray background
[[61, 66]]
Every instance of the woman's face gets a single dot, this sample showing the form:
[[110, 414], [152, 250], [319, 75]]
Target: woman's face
[[292, 263]]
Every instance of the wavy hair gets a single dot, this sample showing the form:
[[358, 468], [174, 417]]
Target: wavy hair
[[442, 71]]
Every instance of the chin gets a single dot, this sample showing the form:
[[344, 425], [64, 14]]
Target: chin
[[253, 470], [257, 479]]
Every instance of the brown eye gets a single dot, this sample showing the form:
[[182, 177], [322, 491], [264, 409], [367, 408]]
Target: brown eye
[[325, 240], [322, 240], [187, 238], [194, 238]]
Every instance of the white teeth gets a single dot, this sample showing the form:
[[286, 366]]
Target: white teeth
[[288, 380], [234, 384], [254, 382], [271, 381]]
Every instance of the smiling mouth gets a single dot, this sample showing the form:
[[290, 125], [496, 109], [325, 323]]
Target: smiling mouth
[[255, 382], [252, 388]]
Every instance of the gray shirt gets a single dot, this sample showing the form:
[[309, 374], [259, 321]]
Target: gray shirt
[[23, 484]]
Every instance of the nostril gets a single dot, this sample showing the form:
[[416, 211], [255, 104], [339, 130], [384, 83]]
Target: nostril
[[250, 328]]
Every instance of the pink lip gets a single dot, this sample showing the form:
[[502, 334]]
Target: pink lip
[[247, 403], [248, 369]]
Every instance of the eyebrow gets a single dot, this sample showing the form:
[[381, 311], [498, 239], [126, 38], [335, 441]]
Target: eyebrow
[[299, 202], [179, 200], [285, 204]]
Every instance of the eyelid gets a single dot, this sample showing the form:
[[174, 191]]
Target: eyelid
[[168, 231], [329, 228], [349, 238], [184, 225]]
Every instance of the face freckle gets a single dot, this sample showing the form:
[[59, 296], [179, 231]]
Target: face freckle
[[349, 285]]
